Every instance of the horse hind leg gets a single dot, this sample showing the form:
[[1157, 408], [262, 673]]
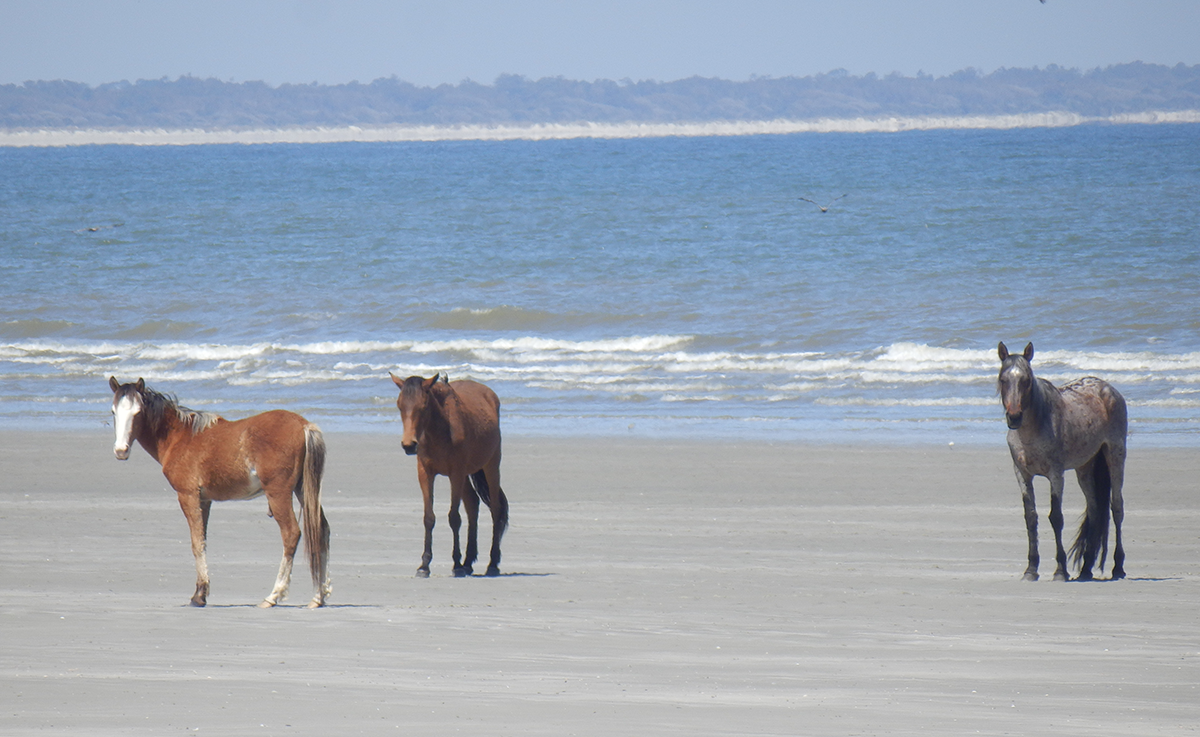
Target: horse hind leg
[[280, 503], [491, 493], [457, 488], [471, 503], [1094, 480], [1116, 474]]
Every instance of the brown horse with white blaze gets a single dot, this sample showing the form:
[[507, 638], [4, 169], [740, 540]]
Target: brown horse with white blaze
[[454, 430], [1080, 425], [207, 458]]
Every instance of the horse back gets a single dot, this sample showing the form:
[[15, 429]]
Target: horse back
[[1094, 416], [478, 397], [1097, 403], [235, 459]]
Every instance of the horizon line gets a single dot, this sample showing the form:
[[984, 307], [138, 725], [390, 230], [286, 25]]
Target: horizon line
[[624, 81], [67, 137]]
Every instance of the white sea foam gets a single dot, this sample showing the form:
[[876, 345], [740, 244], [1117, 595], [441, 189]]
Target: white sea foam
[[559, 131], [537, 358], [535, 373]]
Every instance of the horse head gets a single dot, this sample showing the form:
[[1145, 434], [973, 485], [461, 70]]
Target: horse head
[[1015, 384], [128, 412], [416, 402]]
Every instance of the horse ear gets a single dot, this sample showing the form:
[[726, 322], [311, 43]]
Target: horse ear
[[397, 381], [445, 378], [141, 384], [428, 384], [1028, 352], [1003, 351], [113, 384]]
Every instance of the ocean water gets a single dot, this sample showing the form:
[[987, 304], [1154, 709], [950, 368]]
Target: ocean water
[[661, 286]]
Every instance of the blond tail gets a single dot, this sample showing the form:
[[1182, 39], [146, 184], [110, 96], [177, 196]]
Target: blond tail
[[316, 527]]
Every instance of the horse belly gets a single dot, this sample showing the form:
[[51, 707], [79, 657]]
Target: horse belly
[[250, 486]]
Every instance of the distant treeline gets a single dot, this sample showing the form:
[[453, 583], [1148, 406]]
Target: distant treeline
[[190, 102]]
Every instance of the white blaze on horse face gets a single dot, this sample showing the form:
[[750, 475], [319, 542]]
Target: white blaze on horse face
[[124, 410], [1013, 387]]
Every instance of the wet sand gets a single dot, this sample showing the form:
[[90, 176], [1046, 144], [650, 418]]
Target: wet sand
[[650, 587]]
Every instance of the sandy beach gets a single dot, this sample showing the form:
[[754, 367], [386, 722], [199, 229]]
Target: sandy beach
[[650, 587]]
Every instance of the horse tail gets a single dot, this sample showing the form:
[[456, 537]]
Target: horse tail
[[480, 485], [316, 527], [1093, 529]]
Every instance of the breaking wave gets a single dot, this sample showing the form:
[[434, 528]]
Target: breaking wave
[[545, 382]]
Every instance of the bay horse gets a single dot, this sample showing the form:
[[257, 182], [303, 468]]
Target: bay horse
[[207, 458], [453, 428], [1080, 425]]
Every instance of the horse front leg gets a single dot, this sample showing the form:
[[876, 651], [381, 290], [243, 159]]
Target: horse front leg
[[1056, 521], [280, 504], [425, 477], [196, 512], [457, 485], [1031, 525]]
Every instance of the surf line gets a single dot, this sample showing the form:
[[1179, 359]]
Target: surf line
[[61, 137]]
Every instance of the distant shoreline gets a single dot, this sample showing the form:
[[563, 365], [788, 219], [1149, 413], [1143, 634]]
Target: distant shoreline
[[64, 137]]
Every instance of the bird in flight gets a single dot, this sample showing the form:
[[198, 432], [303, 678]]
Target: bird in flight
[[824, 208]]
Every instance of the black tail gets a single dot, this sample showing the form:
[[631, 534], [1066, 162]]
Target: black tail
[[1093, 530], [480, 485]]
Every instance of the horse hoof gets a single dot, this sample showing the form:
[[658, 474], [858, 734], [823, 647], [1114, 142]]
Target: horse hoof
[[314, 604], [266, 604], [461, 572], [422, 573], [198, 603], [1061, 576], [493, 571], [1118, 574], [1030, 576], [1084, 576]]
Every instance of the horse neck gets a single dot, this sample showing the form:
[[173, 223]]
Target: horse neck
[[439, 420], [1041, 405], [158, 438]]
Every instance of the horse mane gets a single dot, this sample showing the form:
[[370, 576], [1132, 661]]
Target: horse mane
[[415, 384], [158, 404]]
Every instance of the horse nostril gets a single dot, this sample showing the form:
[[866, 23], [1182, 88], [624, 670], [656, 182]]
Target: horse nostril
[[1014, 420], [409, 448]]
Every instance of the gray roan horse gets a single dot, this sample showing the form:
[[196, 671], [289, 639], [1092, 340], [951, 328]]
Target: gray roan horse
[[1080, 425], [453, 428]]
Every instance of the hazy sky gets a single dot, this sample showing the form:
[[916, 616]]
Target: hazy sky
[[438, 41]]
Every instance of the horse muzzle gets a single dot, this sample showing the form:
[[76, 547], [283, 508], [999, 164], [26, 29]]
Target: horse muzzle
[[122, 454], [409, 448], [1014, 421]]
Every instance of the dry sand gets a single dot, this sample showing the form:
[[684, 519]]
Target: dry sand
[[649, 588]]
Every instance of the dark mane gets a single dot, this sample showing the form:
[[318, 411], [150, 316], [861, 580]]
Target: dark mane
[[157, 404]]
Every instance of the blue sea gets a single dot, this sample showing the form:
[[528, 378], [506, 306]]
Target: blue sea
[[649, 287]]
